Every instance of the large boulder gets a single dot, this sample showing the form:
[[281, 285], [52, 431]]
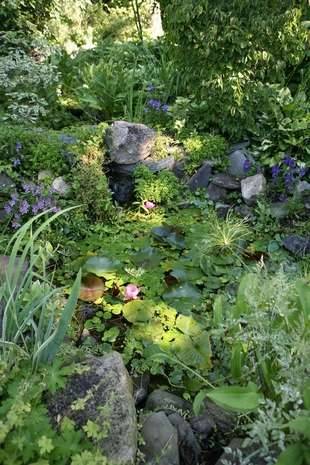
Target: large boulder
[[253, 187], [237, 163], [102, 393], [160, 440], [164, 400], [189, 447], [201, 178], [129, 143]]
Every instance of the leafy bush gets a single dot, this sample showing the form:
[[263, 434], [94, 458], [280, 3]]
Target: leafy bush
[[203, 147], [27, 86], [26, 433], [226, 49], [160, 188]]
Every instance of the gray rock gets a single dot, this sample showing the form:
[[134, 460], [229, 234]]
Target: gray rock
[[239, 146], [61, 187], [279, 210], [214, 419], [244, 211], [140, 387], [106, 389], [236, 163], [188, 445], [129, 143], [216, 193], [155, 166], [253, 187], [226, 181], [303, 188], [179, 168], [6, 183], [160, 441], [297, 245], [222, 209], [202, 178], [164, 400], [122, 188]]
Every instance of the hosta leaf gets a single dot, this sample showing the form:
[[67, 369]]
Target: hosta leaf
[[236, 398], [101, 266], [183, 297], [188, 325]]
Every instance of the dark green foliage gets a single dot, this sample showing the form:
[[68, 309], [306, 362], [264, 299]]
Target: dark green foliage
[[226, 49]]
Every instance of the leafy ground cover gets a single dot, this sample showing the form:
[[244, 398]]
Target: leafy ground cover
[[211, 305]]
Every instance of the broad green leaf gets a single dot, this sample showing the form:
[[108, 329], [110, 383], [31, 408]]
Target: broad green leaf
[[292, 455], [301, 425], [236, 360], [306, 396], [188, 325], [183, 291], [139, 311], [246, 288], [169, 235], [303, 291], [236, 398], [218, 305], [101, 266]]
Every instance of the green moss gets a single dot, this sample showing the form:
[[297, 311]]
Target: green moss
[[160, 188], [206, 147]]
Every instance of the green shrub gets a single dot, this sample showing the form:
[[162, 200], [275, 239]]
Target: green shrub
[[27, 436], [225, 49], [160, 188], [200, 148]]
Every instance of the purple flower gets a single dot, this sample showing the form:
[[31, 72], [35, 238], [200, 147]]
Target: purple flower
[[155, 104], [26, 188], [150, 87], [15, 224], [288, 179], [7, 208], [16, 162], [18, 146], [165, 108], [289, 161], [275, 171], [246, 165], [24, 207], [14, 197], [131, 292]]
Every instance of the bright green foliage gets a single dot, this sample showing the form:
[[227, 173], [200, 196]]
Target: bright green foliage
[[160, 188], [225, 50], [204, 147], [26, 434]]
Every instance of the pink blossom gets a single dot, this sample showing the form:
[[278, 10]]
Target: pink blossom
[[149, 205], [131, 292]]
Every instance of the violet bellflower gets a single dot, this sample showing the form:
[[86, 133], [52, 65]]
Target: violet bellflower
[[246, 166], [275, 171]]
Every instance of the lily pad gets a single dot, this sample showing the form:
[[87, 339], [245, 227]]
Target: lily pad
[[92, 288], [169, 235], [139, 311], [147, 258], [183, 297], [101, 266]]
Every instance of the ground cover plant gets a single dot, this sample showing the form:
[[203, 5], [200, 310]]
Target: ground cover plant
[[199, 275]]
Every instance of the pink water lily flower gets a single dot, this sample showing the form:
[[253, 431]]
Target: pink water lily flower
[[131, 292], [149, 205]]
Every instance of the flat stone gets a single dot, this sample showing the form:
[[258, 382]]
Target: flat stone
[[216, 193], [201, 178], [298, 245], [61, 187], [129, 143], [160, 441], [158, 165], [226, 181], [166, 401], [189, 447], [105, 391], [252, 187]]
